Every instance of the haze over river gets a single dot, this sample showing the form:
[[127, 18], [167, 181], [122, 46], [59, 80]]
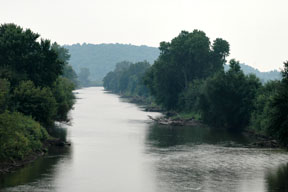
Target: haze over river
[[116, 148]]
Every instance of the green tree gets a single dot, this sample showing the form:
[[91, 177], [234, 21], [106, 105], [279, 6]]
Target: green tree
[[64, 56], [227, 98], [65, 99], [260, 119], [36, 102], [279, 117], [189, 98], [4, 94], [24, 57], [127, 79], [19, 136], [186, 58], [71, 75], [33, 88], [83, 77]]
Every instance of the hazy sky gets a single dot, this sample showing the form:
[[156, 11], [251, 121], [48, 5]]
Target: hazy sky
[[257, 30]]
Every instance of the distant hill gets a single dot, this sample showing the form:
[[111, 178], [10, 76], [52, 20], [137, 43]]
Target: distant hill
[[102, 58], [263, 76]]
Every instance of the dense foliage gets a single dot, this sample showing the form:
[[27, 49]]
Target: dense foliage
[[64, 56], [227, 98], [36, 86], [83, 77], [23, 57], [64, 97], [187, 57], [4, 94], [35, 101], [127, 79], [102, 58], [190, 78], [260, 118], [278, 125], [19, 136]]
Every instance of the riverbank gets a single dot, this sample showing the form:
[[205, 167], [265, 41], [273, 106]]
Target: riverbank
[[176, 121], [191, 119], [147, 103], [259, 141], [12, 165], [107, 131]]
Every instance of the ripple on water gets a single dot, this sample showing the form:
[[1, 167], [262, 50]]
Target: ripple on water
[[214, 168]]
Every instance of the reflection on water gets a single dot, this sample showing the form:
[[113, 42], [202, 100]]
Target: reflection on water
[[31, 174], [277, 181], [115, 147], [196, 159], [167, 136]]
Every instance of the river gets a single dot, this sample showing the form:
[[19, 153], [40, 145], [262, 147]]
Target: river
[[115, 147]]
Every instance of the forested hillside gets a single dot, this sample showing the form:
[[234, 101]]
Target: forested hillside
[[102, 58], [263, 76]]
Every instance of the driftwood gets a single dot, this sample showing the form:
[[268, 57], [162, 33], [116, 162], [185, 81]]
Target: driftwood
[[266, 144], [176, 122]]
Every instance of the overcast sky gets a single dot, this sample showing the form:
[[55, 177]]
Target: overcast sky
[[257, 30]]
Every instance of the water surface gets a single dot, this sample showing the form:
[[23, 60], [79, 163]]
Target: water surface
[[115, 147]]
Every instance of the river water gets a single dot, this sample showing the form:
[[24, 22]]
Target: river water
[[115, 147]]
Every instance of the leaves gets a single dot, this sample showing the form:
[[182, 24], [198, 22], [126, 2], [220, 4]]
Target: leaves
[[23, 57], [227, 99], [127, 79], [186, 58], [19, 135], [36, 102]]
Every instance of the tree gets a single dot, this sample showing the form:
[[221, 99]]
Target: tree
[[186, 58], [127, 79], [84, 77], [32, 88], [19, 136], [220, 52], [189, 98], [24, 57], [65, 99], [64, 56], [227, 98], [36, 102], [4, 94], [260, 118], [70, 74], [279, 117]]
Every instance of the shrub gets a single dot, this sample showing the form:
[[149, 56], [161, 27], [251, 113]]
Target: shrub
[[36, 102], [19, 136]]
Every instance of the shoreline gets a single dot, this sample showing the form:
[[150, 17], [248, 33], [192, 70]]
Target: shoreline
[[260, 141], [173, 119], [13, 165]]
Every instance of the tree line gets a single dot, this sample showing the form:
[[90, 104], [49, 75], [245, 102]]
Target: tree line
[[127, 79], [189, 77], [100, 59], [36, 85]]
